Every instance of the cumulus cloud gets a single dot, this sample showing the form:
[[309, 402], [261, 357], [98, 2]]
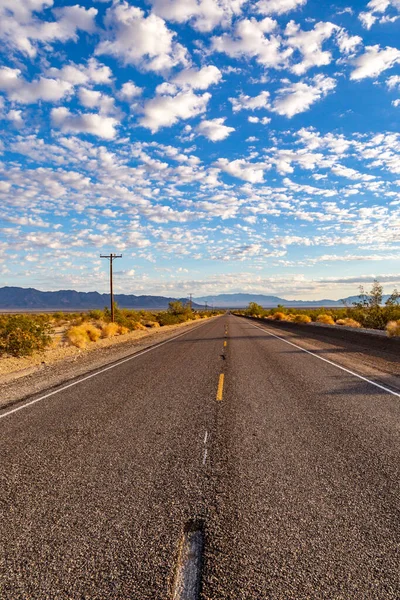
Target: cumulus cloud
[[95, 99], [214, 129], [278, 7], [244, 102], [309, 44], [164, 111], [203, 15], [374, 61], [297, 97], [129, 91], [21, 29], [199, 79], [25, 92], [242, 169], [145, 42], [92, 72], [347, 43], [98, 125], [375, 8], [250, 40]]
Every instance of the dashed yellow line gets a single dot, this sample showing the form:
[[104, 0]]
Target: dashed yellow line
[[220, 390], [225, 344]]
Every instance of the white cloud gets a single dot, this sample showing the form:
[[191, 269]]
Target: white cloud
[[164, 111], [252, 172], [347, 43], [25, 92], [15, 116], [21, 29], [145, 42], [249, 40], [203, 15], [298, 97], [129, 91], [369, 17], [98, 125], [279, 7], [349, 173], [263, 121], [214, 129], [244, 102], [93, 72], [309, 44], [95, 99], [199, 79], [393, 82], [374, 61]]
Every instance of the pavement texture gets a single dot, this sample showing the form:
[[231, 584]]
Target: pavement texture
[[294, 474]]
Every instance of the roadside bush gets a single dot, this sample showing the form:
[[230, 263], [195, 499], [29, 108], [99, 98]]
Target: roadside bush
[[302, 319], [152, 324], [77, 335], [348, 322], [123, 330], [93, 332], [109, 330], [21, 335], [137, 326], [96, 314], [279, 316], [393, 328], [326, 319]]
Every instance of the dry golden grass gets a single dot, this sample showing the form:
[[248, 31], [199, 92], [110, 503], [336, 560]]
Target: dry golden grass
[[279, 316], [93, 332], [289, 318], [122, 330], [109, 330], [326, 319], [77, 336], [302, 319], [348, 323], [137, 325], [152, 324], [393, 328]]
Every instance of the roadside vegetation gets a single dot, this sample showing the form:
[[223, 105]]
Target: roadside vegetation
[[368, 312], [26, 334]]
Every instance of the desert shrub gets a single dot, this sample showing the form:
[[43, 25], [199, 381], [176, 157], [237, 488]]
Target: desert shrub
[[96, 314], [152, 324], [123, 330], [326, 319], [21, 335], [93, 332], [77, 335], [279, 316], [290, 318], [393, 328], [302, 319], [137, 326], [109, 330], [167, 318], [348, 322]]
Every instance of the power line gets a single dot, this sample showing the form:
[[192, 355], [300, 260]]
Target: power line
[[111, 258]]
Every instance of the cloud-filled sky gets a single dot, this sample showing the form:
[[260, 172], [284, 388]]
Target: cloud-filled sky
[[218, 145]]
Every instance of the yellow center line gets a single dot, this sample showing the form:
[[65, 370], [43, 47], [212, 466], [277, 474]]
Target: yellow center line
[[220, 387], [224, 344]]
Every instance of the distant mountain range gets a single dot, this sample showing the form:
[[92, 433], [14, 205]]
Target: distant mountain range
[[242, 300], [16, 298]]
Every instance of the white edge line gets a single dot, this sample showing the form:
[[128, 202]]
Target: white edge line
[[205, 437], [69, 385], [385, 389], [205, 456]]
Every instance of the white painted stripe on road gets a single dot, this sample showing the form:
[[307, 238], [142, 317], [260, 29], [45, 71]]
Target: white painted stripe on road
[[205, 456], [382, 387], [69, 385], [205, 437]]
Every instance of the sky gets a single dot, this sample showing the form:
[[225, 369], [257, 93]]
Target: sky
[[218, 145]]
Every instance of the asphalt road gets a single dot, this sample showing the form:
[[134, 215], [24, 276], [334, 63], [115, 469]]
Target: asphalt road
[[294, 473]]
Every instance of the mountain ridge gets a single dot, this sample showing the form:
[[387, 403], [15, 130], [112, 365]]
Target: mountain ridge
[[13, 298]]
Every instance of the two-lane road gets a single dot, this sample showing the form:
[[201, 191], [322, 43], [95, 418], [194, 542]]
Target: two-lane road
[[294, 472]]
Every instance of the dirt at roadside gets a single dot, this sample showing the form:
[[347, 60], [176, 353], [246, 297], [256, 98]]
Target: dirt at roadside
[[22, 377]]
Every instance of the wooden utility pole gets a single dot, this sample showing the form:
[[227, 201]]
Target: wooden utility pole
[[190, 301], [111, 257]]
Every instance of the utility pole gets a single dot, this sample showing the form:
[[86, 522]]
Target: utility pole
[[190, 301], [206, 305], [111, 258]]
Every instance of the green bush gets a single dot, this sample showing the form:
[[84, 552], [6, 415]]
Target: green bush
[[22, 335]]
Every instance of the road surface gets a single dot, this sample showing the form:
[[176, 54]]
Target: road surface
[[290, 463]]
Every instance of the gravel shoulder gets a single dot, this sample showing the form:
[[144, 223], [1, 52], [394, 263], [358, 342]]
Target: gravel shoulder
[[23, 377]]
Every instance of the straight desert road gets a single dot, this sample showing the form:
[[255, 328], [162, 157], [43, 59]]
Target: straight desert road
[[291, 463]]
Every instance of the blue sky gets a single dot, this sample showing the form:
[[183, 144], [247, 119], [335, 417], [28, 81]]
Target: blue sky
[[219, 145]]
